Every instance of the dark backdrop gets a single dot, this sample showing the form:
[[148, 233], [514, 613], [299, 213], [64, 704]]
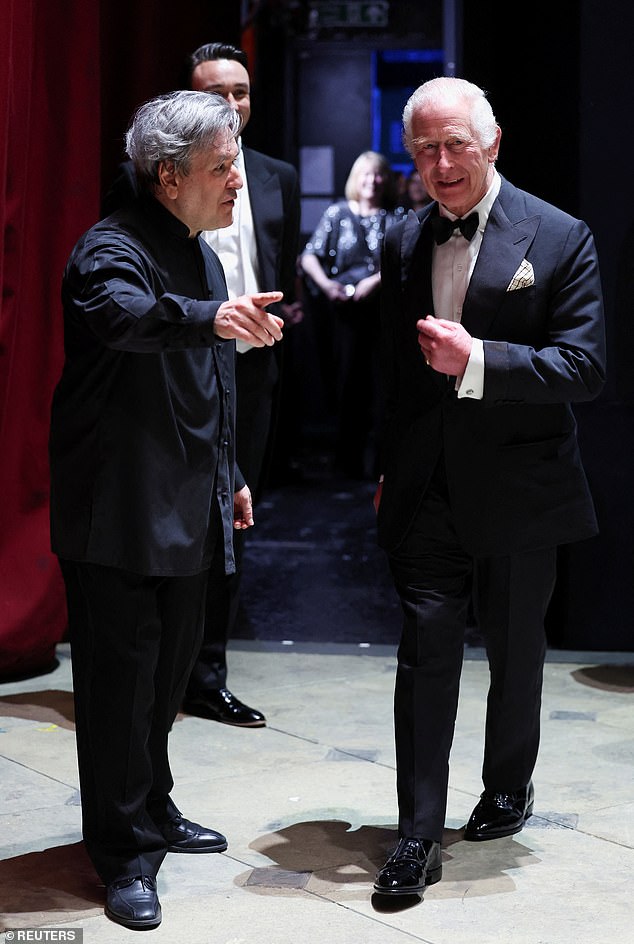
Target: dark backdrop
[[71, 73], [562, 86]]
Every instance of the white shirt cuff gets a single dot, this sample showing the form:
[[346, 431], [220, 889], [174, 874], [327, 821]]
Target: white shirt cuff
[[472, 382]]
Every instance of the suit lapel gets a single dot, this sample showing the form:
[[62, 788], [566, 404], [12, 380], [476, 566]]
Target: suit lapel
[[416, 253], [411, 232], [507, 238], [505, 243], [267, 209]]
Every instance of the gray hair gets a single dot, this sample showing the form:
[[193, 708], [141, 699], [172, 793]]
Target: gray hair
[[174, 128], [447, 89]]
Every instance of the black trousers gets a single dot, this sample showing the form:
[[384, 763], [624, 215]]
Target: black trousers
[[434, 577], [256, 379], [357, 371], [222, 602], [133, 642]]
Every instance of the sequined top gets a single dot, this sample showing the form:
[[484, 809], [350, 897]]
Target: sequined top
[[346, 242]]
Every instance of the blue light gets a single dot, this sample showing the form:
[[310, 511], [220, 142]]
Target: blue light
[[412, 55]]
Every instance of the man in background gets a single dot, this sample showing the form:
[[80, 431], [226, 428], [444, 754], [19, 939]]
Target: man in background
[[258, 252]]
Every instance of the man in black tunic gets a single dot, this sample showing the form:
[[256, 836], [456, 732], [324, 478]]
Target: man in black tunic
[[145, 492]]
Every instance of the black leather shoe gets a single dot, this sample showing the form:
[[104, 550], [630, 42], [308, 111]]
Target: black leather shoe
[[500, 814], [222, 705], [133, 902], [182, 835], [415, 864]]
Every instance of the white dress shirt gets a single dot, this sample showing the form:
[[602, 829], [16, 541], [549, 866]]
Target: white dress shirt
[[236, 247], [452, 266]]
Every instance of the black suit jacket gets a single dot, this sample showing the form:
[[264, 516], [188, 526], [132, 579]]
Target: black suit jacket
[[514, 471], [275, 205]]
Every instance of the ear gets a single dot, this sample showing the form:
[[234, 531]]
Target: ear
[[169, 179], [494, 149]]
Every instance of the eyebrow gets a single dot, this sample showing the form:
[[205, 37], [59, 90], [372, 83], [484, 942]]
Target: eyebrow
[[242, 86], [227, 156]]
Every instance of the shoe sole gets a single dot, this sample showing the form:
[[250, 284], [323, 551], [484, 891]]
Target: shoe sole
[[241, 724], [431, 877], [131, 923], [201, 712], [499, 834], [199, 851]]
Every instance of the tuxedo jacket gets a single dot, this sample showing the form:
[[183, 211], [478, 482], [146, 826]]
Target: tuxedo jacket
[[275, 207], [514, 472]]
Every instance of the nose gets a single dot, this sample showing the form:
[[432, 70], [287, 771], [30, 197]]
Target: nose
[[444, 159], [234, 180], [231, 100]]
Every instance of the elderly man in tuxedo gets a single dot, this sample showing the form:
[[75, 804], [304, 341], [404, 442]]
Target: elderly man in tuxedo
[[492, 328], [145, 492]]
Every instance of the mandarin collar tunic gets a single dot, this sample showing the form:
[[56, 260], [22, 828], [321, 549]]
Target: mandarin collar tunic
[[143, 417]]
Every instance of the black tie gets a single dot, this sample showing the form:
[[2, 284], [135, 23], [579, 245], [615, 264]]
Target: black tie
[[444, 227]]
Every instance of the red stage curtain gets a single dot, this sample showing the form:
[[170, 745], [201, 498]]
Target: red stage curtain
[[49, 194], [71, 74]]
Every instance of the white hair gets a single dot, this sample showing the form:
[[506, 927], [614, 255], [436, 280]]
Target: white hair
[[448, 89]]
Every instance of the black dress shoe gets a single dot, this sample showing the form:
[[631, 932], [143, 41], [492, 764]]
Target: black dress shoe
[[500, 814], [415, 864], [182, 835], [133, 902], [222, 705]]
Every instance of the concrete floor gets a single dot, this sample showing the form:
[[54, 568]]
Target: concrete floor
[[308, 806]]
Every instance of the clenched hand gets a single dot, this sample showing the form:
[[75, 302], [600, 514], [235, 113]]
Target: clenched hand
[[445, 344]]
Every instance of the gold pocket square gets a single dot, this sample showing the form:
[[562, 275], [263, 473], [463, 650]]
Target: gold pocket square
[[523, 277]]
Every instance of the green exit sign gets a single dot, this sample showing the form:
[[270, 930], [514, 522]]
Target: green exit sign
[[352, 13]]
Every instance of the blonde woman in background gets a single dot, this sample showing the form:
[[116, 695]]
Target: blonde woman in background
[[341, 263]]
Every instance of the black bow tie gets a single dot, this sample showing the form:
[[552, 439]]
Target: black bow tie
[[444, 227]]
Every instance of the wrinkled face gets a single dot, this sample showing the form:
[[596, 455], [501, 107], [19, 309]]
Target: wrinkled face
[[228, 78], [455, 169], [370, 181], [204, 198]]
